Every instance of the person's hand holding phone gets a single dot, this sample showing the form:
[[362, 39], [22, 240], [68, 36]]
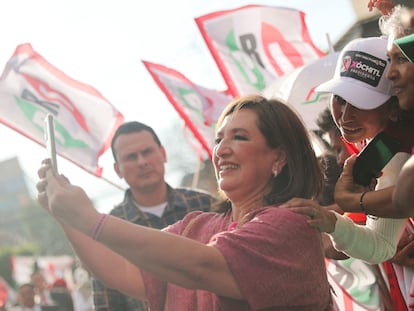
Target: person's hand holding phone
[[347, 192], [373, 158]]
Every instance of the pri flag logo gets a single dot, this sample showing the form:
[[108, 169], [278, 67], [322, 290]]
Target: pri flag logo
[[30, 88], [254, 45]]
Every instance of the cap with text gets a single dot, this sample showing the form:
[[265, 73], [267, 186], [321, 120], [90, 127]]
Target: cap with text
[[360, 74]]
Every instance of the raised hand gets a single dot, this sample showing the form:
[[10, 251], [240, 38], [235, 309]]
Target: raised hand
[[67, 203], [320, 217], [347, 192], [384, 6]]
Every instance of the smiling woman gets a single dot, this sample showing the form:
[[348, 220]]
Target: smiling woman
[[87, 35], [262, 157]]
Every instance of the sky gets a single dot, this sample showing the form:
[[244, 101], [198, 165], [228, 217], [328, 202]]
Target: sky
[[102, 43]]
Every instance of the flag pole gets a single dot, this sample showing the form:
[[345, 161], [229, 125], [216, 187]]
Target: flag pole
[[330, 45]]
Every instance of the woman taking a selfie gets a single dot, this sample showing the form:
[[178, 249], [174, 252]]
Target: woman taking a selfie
[[250, 255]]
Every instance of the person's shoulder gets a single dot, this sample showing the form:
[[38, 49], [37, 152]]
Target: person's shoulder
[[121, 209], [202, 216], [277, 219], [193, 220], [193, 192], [192, 197], [117, 209], [277, 214]]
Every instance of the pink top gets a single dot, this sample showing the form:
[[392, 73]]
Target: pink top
[[276, 258]]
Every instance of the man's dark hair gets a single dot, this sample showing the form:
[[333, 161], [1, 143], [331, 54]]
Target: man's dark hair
[[132, 127]]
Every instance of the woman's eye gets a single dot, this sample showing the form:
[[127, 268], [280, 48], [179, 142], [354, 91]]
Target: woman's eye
[[235, 137], [240, 137], [340, 100], [402, 59]]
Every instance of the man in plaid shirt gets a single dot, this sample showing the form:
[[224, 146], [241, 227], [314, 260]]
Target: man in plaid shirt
[[150, 201]]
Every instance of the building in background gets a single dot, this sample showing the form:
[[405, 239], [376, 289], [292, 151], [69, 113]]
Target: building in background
[[366, 24], [14, 195], [14, 192]]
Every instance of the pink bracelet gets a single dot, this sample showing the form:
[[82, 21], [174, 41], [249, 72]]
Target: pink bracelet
[[98, 226]]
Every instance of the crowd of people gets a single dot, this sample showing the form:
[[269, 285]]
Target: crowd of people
[[282, 215], [40, 294]]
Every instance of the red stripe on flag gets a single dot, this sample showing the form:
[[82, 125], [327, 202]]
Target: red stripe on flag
[[272, 35], [151, 67]]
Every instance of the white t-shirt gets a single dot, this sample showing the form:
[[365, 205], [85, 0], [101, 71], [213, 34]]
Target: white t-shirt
[[156, 210]]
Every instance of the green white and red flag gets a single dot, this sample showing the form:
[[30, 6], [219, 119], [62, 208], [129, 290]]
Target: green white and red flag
[[254, 45], [199, 107], [31, 87], [355, 285]]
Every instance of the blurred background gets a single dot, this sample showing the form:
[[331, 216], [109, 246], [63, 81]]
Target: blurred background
[[102, 43]]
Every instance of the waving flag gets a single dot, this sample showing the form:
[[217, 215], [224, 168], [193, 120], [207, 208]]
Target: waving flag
[[198, 106], [253, 45], [297, 88], [355, 284], [30, 88]]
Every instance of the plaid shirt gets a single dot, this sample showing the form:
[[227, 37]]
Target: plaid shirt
[[180, 202]]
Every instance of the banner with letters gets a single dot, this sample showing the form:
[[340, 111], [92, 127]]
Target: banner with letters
[[254, 45], [31, 88]]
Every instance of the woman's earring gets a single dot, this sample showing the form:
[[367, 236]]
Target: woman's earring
[[275, 173]]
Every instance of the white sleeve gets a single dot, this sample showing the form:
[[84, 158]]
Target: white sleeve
[[376, 241], [373, 243]]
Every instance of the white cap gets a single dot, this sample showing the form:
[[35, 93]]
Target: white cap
[[359, 76]]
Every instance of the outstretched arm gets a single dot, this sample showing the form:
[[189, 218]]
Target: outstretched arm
[[170, 257], [111, 268], [374, 242]]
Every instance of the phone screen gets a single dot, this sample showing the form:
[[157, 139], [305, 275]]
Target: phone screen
[[50, 141], [372, 159]]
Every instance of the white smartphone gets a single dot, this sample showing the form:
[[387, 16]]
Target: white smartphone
[[50, 141]]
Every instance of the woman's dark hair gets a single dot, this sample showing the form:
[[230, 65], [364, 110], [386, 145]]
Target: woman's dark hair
[[331, 170], [282, 128]]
